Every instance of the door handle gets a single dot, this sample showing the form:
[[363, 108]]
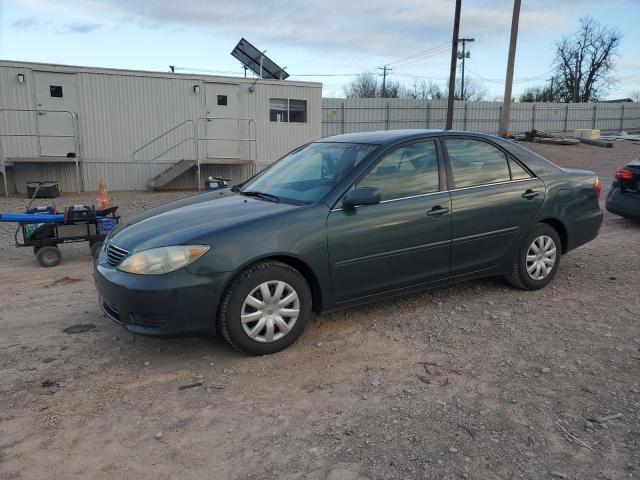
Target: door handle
[[530, 194], [438, 211]]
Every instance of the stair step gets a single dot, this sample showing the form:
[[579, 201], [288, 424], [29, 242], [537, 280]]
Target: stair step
[[171, 173]]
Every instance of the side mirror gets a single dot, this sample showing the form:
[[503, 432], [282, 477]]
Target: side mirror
[[361, 196]]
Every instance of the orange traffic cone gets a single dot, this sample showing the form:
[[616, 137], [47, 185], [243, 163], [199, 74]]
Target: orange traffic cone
[[103, 198]]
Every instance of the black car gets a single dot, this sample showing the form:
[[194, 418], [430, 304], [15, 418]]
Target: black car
[[624, 197], [342, 221]]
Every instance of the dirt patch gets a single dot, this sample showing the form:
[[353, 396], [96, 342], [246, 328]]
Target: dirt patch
[[473, 381], [66, 280], [79, 328]]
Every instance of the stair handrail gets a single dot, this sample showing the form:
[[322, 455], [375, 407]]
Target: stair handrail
[[193, 138], [249, 120]]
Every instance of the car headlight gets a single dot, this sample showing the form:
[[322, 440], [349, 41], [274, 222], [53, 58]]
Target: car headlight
[[162, 260]]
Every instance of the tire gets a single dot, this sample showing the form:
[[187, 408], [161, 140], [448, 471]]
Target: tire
[[237, 302], [520, 276], [49, 256], [95, 246]]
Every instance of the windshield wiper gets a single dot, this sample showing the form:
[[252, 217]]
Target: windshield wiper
[[264, 196]]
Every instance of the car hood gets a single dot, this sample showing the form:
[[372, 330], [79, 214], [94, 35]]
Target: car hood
[[187, 219]]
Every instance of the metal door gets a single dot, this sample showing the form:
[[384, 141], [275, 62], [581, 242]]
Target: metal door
[[55, 95], [222, 125]]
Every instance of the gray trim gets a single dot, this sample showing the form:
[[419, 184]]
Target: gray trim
[[492, 184], [391, 253], [445, 191], [493, 233]]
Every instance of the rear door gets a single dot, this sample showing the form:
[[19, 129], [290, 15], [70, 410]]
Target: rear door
[[494, 198], [405, 239], [55, 96]]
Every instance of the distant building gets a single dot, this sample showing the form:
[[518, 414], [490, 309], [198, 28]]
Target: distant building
[[78, 124]]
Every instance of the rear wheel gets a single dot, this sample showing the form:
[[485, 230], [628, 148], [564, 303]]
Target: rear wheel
[[537, 260], [265, 309], [49, 256]]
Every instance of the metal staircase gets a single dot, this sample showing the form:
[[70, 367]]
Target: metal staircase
[[200, 149], [174, 171]]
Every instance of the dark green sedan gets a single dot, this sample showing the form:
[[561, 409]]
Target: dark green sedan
[[342, 221]]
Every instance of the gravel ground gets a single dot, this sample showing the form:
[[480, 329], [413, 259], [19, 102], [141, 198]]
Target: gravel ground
[[476, 381]]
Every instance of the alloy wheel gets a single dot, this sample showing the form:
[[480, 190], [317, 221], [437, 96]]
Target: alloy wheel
[[541, 257], [270, 311]]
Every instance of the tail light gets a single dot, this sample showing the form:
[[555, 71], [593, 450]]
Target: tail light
[[624, 174], [597, 188]]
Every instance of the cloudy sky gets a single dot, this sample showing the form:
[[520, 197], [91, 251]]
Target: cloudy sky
[[322, 40]]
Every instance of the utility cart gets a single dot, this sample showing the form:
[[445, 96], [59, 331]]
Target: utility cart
[[43, 229]]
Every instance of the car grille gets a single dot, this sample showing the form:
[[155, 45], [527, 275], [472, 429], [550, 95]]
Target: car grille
[[115, 255]]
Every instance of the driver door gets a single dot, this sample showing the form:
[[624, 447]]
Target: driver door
[[402, 241]]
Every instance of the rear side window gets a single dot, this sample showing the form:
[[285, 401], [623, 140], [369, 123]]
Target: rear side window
[[474, 162], [406, 171], [517, 172]]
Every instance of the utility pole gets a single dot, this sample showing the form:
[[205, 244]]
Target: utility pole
[[384, 69], [506, 105], [452, 70], [550, 99], [464, 55]]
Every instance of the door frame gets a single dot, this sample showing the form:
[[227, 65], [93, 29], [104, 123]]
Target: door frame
[[450, 180], [72, 113], [209, 117]]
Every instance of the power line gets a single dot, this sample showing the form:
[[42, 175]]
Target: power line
[[431, 54], [419, 54]]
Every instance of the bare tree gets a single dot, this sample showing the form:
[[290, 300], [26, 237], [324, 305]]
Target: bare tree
[[426, 90], [541, 93], [364, 85], [584, 61], [635, 95], [474, 91]]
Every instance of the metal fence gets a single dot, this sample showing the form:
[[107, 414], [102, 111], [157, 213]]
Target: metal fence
[[369, 114]]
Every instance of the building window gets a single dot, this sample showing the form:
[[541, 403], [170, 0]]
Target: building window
[[222, 100], [278, 109], [298, 111], [287, 110], [55, 91]]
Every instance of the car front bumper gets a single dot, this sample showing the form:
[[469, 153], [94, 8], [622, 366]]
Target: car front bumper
[[626, 204], [159, 305]]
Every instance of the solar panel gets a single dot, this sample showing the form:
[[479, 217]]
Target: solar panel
[[250, 56]]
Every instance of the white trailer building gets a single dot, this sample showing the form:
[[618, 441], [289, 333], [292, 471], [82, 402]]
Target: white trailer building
[[138, 129]]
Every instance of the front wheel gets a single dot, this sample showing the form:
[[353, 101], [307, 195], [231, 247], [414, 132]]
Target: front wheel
[[537, 259], [265, 309]]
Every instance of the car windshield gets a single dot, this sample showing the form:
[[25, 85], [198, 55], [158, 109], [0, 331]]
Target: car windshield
[[309, 173]]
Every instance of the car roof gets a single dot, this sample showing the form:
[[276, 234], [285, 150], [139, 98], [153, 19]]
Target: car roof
[[385, 137]]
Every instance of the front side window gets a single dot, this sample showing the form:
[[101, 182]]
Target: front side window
[[474, 162], [311, 172], [405, 172], [287, 110]]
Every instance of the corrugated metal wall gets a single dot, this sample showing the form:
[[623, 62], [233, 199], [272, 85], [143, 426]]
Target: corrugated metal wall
[[341, 115], [120, 111]]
